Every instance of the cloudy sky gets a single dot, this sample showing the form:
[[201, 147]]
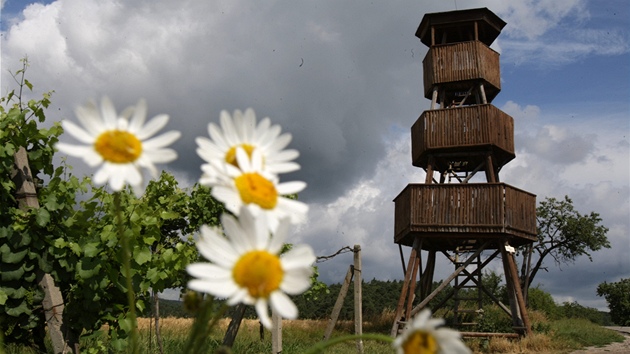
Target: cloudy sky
[[345, 78]]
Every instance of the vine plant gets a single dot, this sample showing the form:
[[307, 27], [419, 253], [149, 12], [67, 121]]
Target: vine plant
[[73, 237]]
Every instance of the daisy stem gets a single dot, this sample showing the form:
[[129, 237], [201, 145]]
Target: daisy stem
[[126, 254], [319, 347], [204, 322]]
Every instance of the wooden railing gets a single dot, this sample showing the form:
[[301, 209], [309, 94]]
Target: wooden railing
[[474, 209], [463, 128], [458, 62]]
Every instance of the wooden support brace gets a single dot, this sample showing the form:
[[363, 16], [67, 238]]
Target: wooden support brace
[[339, 303], [403, 292], [448, 280]]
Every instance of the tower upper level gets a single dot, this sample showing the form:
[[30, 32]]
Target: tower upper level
[[460, 26], [459, 55]]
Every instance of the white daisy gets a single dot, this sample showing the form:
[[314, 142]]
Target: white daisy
[[247, 268], [242, 131], [120, 143], [424, 337], [256, 189]]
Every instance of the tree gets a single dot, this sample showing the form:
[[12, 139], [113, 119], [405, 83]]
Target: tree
[[617, 296], [563, 234]]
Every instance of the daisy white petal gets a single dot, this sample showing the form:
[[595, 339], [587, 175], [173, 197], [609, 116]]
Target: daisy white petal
[[276, 242], [263, 313], [138, 117], [215, 247], [287, 188], [86, 115], [162, 155], [120, 147], [80, 134], [296, 281], [283, 305], [108, 113], [298, 257], [280, 143], [161, 141], [153, 126]]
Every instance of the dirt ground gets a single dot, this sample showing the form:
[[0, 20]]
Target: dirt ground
[[617, 347]]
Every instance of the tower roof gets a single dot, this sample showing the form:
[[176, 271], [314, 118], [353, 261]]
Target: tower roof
[[460, 24]]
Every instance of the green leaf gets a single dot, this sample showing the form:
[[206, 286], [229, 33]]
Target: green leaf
[[142, 256], [169, 215], [12, 257], [75, 248], [18, 310], [3, 297], [167, 255], [88, 267], [28, 84], [43, 217], [152, 275], [91, 249], [51, 202], [149, 240], [60, 243], [16, 274]]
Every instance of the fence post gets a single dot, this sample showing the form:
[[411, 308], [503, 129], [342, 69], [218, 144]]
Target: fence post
[[358, 298], [26, 195], [276, 332]]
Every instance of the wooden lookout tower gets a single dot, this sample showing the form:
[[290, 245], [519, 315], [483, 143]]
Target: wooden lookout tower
[[461, 135]]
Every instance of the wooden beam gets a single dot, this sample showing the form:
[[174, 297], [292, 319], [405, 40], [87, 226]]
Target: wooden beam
[[434, 97], [517, 289], [429, 177], [482, 92], [402, 259]]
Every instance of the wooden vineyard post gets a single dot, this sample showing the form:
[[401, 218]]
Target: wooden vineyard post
[[358, 298], [276, 332], [26, 196]]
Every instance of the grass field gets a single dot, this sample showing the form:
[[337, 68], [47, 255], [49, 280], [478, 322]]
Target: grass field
[[561, 336]]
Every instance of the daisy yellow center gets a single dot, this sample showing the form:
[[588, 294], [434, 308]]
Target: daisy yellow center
[[260, 272], [118, 146], [420, 342], [230, 156], [254, 188]]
